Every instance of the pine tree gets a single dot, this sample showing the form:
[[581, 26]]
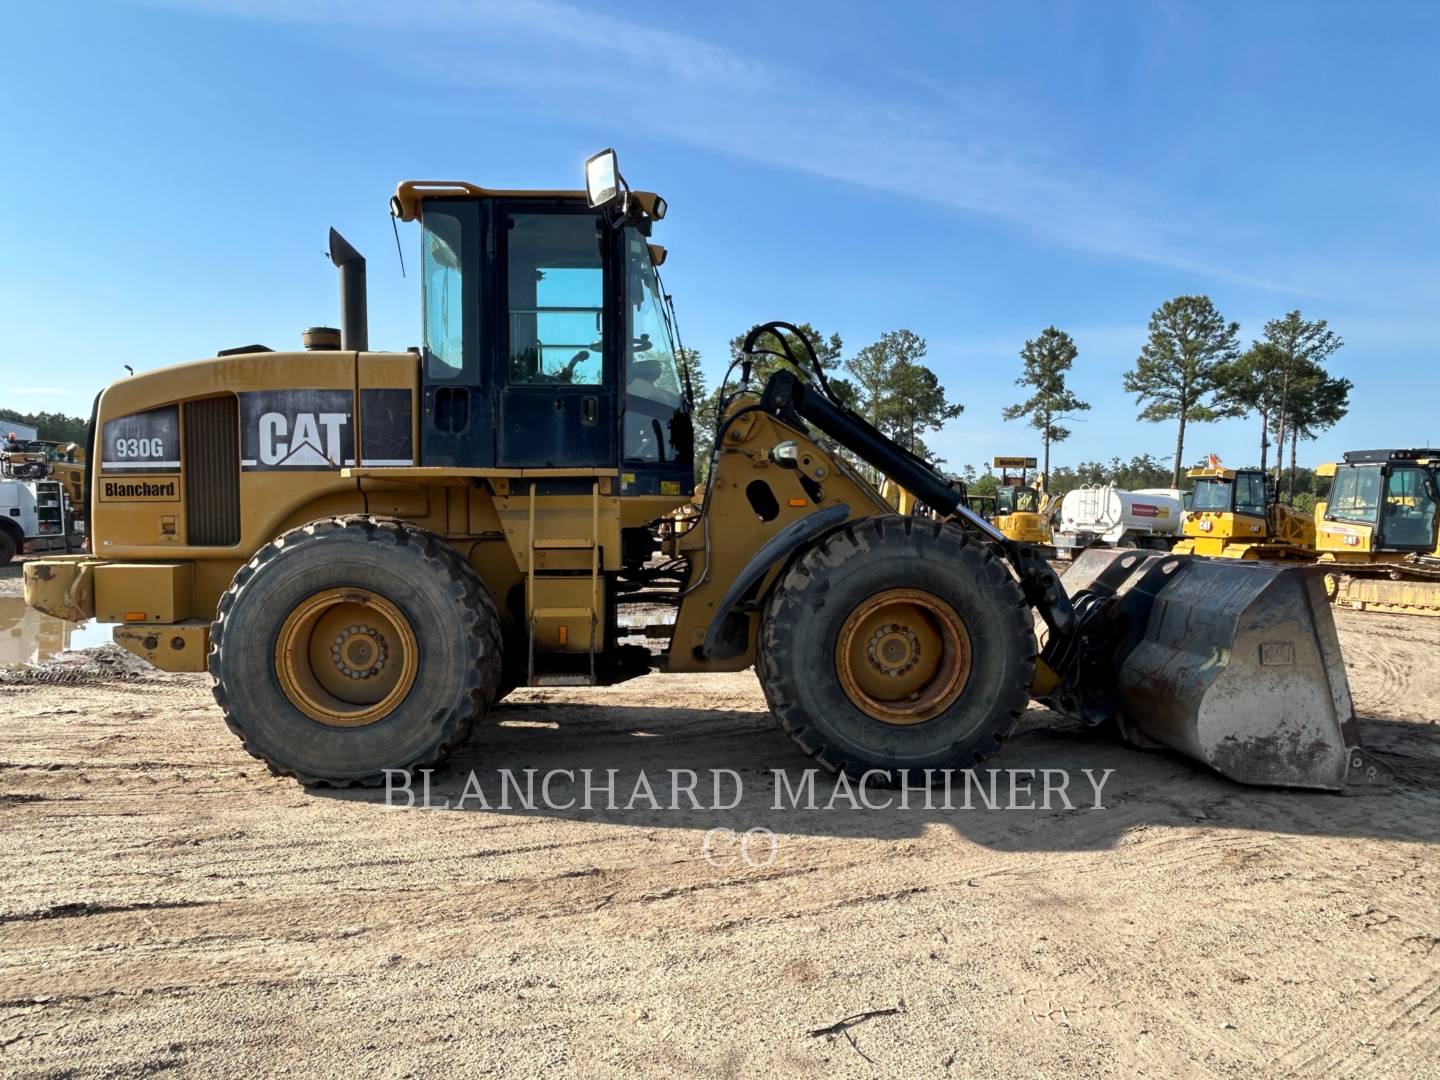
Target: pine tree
[[899, 394], [1046, 360], [1252, 384], [1179, 368], [1303, 346]]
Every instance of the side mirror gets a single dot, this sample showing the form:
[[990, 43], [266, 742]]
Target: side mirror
[[603, 183]]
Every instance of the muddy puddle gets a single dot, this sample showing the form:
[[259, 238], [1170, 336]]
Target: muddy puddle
[[29, 637]]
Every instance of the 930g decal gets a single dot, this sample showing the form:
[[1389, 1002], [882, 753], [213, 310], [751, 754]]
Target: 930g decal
[[147, 442]]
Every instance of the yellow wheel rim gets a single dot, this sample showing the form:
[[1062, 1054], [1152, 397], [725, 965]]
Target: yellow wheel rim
[[346, 657], [903, 656]]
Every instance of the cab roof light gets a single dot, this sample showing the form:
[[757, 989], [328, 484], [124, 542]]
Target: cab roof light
[[1365, 457]]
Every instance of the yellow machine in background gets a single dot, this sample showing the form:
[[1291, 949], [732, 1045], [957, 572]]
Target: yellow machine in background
[[67, 464], [896, 497], [1378, 527], [1233, 516], [1021, 506]]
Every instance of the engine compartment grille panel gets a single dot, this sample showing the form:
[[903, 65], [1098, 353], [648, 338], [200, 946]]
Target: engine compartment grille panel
[[212, 471]]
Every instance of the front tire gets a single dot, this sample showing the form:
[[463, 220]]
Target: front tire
[[897, 644], [354, 645]]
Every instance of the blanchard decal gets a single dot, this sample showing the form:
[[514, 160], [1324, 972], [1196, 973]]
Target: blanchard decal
[[157, 489], [297, 429], [385, 432], [147, 442]]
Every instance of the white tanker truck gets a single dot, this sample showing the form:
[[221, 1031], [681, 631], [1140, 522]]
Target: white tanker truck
[[1104, 514]]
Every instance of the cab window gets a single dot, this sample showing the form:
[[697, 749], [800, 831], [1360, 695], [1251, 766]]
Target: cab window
[[1211, 494], [556, 299], [442, 260], [1250, 494], [1409, 509], [1355, 495], [653, 394]]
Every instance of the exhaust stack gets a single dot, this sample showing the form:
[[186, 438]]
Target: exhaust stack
[[354, 322]]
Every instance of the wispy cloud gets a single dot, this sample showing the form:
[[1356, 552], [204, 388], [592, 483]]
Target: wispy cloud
[[691, 90]]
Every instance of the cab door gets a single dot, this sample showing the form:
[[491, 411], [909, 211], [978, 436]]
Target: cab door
[[556, 370]]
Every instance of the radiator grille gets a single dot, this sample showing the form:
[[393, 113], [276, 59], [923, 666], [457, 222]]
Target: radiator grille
[[212, 472]]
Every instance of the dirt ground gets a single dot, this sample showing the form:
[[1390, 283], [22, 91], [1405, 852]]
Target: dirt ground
[[169, 905]]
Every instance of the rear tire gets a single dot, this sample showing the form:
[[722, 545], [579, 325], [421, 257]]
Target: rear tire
[[354, 645], [868, 607], [8, 547]]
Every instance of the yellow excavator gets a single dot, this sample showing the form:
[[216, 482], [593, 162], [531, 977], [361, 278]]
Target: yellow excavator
[[1022, 504], [1234, 515], [1377, 530], [367, 550]]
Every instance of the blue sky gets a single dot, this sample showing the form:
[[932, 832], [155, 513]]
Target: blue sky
[[973, 172]]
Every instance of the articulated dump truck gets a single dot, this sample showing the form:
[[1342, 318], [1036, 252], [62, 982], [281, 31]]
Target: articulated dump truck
[[367, 550]]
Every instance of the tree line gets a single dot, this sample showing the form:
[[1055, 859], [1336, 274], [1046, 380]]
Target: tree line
[[1191, 370], [53, 426]]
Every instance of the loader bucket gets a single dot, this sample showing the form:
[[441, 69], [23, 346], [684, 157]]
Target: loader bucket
[[1236, 664]]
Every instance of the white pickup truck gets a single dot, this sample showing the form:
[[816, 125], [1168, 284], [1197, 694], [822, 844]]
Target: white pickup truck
[[33, 517]]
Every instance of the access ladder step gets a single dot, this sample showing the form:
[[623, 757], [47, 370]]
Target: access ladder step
[[563, 543], [562, 613], [577, 678]]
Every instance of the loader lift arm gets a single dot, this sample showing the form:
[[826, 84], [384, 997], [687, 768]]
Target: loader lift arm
[[790, 398]]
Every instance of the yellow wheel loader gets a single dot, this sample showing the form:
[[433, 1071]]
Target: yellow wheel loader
[[1234, 515], [367, 550], [1377, 531]]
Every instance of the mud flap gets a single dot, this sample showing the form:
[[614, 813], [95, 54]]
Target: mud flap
[[1236, 664]]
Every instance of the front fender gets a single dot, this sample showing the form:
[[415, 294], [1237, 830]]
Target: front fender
[[780, 546]]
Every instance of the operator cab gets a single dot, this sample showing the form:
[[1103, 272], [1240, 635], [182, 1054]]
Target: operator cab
[[1015, 494], [1228, 491], [1393, 490], [1017, 499], [548, 341]]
